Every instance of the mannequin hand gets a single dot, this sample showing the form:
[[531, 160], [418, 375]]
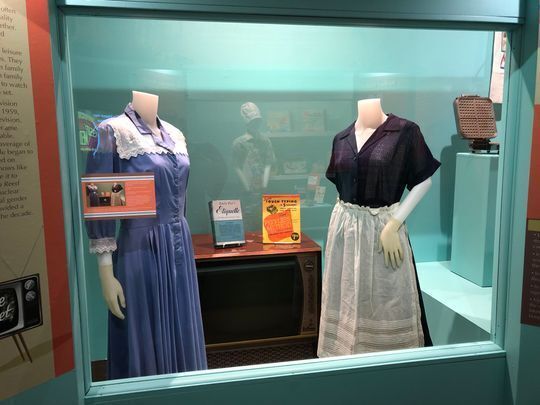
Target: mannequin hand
[[112, 290], [390, 244]]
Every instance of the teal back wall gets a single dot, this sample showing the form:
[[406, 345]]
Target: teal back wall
[[204, 71]]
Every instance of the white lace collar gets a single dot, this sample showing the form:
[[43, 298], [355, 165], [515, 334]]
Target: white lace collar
[[131, 143]]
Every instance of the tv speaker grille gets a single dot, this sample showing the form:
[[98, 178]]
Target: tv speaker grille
[[261, 355]]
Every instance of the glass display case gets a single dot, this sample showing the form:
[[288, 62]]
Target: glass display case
[[259, 106]]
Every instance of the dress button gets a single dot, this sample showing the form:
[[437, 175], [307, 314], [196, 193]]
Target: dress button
[[354, 180]]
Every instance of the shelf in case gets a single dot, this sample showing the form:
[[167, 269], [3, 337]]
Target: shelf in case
[[284, 177], [316, 205], [300, 134]]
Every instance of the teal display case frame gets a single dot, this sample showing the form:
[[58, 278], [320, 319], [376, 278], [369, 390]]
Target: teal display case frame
[[346, 11], [517, 113]]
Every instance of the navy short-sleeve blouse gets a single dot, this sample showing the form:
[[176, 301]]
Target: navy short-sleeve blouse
[[394, 157]]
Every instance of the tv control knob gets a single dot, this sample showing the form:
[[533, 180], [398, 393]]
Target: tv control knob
[[30, 296], [29, 284], [308, 265]]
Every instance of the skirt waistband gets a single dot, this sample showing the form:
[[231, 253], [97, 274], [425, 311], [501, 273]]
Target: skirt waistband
[[371, 210]]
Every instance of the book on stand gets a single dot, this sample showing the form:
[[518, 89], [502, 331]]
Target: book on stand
[[227, 223]]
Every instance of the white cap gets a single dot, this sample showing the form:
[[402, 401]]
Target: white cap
[[249, 111]]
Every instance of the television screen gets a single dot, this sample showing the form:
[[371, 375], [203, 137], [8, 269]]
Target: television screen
[[9, 309], [241, 301]]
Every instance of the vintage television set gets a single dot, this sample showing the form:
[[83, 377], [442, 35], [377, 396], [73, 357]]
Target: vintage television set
[[260, 303], [20, 305]]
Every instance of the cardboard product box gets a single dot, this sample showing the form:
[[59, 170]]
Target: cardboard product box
[[281, 218]]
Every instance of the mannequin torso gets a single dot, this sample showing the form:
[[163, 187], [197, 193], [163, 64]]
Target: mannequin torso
[[146, 106], [370, 117]]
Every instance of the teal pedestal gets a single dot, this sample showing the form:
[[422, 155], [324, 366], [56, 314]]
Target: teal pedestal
[[473, 229]]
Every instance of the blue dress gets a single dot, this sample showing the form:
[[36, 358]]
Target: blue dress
[[153, 257]]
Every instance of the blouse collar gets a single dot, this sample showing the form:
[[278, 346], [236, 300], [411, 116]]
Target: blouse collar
[[166, 141], [389, 125]]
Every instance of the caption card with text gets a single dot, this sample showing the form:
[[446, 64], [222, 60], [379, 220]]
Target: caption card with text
[[119, 195]]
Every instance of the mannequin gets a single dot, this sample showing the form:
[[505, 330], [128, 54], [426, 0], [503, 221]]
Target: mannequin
[[262, 147], [372, 301], [370, 117], [150, 282], [92, 193], [146, 105], [253, 128], [117, 199]]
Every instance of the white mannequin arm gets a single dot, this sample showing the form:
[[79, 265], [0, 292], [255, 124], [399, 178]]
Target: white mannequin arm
[[104, 259], [411, 201], [110, 286], [389, 239]]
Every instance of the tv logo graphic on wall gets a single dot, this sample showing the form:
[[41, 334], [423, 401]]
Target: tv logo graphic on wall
[[20, 305]]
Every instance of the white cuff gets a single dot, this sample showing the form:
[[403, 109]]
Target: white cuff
[[102, 245]]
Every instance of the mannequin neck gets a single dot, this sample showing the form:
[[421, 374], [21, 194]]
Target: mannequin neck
[[146, 105], [370, 114]]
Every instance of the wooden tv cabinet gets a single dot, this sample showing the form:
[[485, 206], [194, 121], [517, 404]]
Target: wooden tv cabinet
[[302, 345]]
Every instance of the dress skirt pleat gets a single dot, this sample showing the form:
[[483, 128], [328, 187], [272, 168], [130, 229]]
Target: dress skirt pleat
[[163, 331]]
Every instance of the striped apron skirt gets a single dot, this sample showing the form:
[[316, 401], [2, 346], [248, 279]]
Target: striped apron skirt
[[367, 306]]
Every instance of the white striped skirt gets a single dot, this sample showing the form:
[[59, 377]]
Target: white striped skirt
[[366, 306]]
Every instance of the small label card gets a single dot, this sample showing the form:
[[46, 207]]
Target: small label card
[[227, 224], [118, 195]]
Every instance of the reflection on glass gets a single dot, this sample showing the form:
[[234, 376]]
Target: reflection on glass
[[252, 157], [304, 83]]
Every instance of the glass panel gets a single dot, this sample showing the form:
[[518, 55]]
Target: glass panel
[[259, 106]]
